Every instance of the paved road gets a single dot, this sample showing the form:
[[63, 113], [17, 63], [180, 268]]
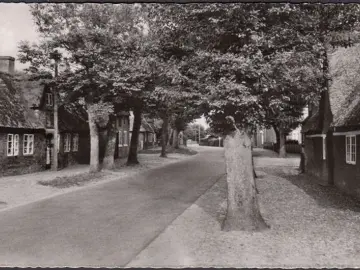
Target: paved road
[[107, 224]]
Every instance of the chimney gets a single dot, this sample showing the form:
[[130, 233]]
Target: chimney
[[7, 64]]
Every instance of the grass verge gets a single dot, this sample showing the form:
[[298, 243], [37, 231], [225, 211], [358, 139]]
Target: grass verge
[[69, 181], [170, 150]]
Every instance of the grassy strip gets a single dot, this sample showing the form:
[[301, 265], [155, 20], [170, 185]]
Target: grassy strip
[[69, 181], [170, 150]]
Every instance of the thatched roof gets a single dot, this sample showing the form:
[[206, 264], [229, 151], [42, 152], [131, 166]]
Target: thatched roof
[[14, 109], [345, 86], [344, 90]]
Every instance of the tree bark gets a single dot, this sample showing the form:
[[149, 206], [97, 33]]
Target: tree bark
[[175, 140], [243, 211], [164, 135], [169, 136], [94, 140], [132, 157], [282, 149], [108, 162], [277, 134]]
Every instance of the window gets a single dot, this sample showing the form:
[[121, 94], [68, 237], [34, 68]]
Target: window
[[126, 138], [67, 142], [120, 138], [28, 144], [75, 144], [324, 147], [49, 99], [13, 145], [351, 149]]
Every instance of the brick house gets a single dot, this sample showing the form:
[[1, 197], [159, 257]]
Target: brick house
[[333, 127], [22, 136], [27, 126]]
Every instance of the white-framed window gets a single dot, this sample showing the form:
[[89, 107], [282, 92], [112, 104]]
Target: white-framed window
[[12, 145], [350, 147], [49, 99], [67, 142], [126, 138], [28, 144], [324, 147], [75, 144], [120, 138]]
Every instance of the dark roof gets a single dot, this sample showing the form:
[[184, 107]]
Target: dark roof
[[14, 109]]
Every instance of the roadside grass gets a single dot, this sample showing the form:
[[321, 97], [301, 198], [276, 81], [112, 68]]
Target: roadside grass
[[170, 150], [74, 180]]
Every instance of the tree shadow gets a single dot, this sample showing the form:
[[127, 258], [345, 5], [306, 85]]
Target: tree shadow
[[325, 196], [214, 202]]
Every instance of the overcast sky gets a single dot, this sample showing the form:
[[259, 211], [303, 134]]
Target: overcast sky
[[16, 24]]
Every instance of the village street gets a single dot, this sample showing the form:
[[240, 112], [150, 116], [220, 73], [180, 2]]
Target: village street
[[171, 217], [107, 224]]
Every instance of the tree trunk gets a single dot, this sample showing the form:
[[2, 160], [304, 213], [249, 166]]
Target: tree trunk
[[94, 140], [164, 135], [175, 141], [277, 134], [254, 173], [132, 157], [243, 211], [170, 136], [108, 162], [282, 149]]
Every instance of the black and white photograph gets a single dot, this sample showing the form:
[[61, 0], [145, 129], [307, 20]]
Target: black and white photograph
[[180, 135]]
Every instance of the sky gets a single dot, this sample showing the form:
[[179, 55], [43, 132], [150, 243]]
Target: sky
[[16, 24]]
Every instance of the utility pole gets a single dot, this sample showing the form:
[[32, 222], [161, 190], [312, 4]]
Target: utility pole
[[56, 56]]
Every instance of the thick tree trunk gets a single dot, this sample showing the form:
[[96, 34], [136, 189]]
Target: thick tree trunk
[[170, 136], [94, 140], [175, 141], [243, 211], [282, 149], [132, 157], [164, 135], [277, 134], [108, 162]]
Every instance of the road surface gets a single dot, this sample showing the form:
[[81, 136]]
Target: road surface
[[107, 224]]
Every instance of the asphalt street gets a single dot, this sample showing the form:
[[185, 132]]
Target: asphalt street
[[106, 224]]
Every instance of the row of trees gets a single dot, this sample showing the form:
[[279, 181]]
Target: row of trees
[[242, 65]]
